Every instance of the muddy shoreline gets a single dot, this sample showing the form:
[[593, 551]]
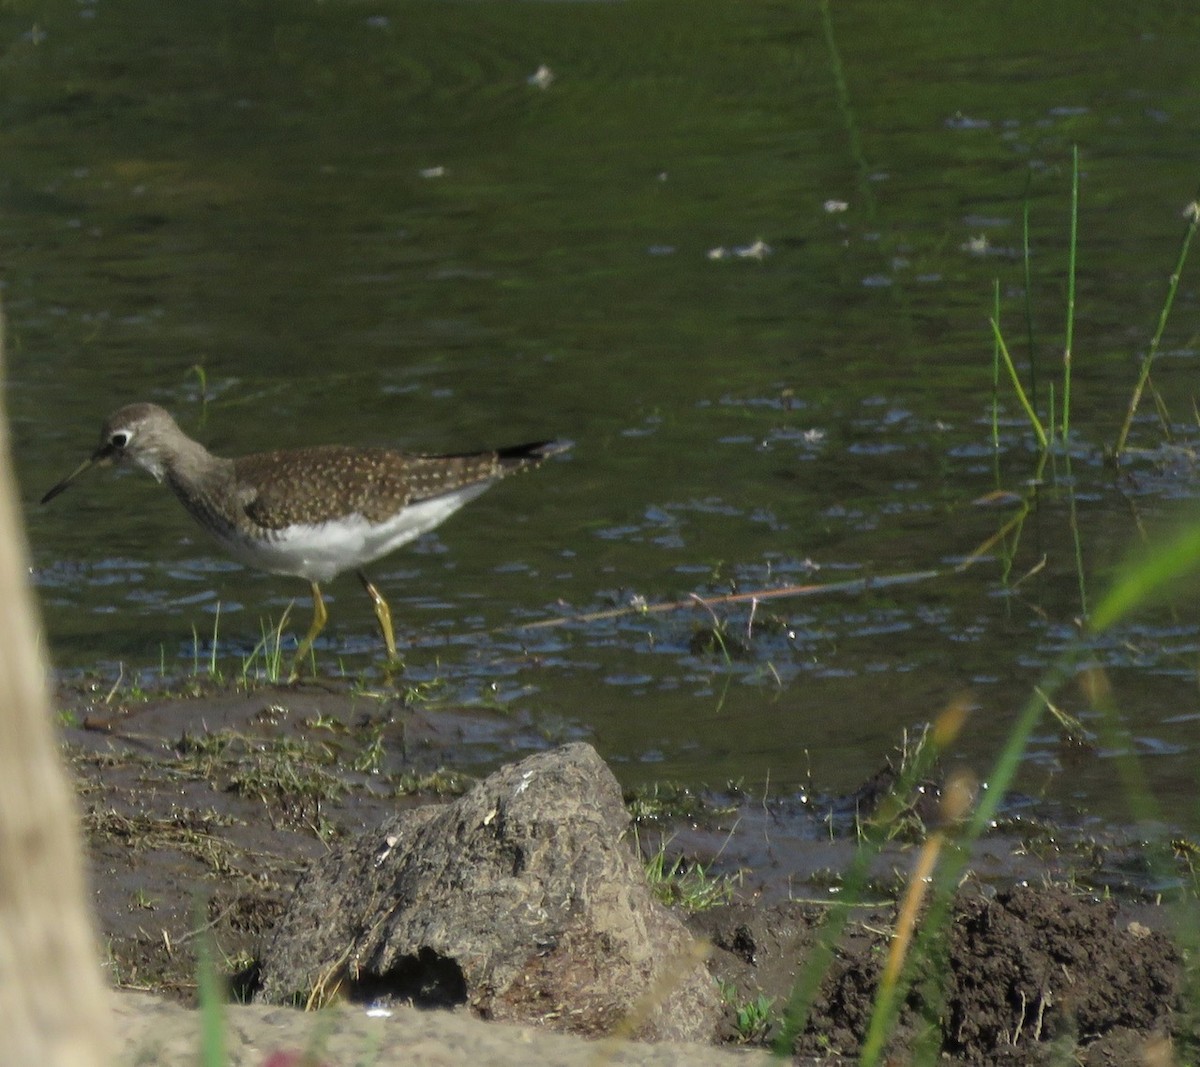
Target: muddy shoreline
[[202, 810]]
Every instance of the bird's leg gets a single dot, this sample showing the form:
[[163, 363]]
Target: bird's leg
[[320, 617], [383, 613]]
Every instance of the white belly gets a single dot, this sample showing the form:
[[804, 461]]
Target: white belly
[[321, 551]]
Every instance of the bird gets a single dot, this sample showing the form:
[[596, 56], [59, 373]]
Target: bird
[[311, 512]]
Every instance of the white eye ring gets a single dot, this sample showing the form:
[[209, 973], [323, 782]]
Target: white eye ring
[[120, 439]]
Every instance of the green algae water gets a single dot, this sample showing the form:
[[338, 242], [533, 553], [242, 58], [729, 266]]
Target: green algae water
[[743, 255]]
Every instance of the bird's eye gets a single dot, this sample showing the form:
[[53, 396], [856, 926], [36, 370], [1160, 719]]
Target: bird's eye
[[119, 439]]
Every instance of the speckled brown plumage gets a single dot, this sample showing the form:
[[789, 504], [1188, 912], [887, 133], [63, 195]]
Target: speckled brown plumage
[[278, 489], [309, 512]]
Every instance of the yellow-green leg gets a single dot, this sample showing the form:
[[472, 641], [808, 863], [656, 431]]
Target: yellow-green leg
[[320, 618], [383, 613]]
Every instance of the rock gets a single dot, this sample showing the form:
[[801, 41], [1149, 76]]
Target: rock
[[521, 899]]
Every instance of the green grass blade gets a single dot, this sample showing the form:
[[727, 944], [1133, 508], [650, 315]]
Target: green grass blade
[[1150, 579], [212, 661], [1053, 409], [1068, 346], [211, 994], [1027, 268], [1193, 216], [853, 894], [935, 924], [1034, 421], [1077, 538]]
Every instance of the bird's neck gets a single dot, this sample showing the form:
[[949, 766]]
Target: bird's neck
[[192, 470]]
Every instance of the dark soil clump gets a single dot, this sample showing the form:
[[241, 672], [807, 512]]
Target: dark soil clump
[[1028, 975]]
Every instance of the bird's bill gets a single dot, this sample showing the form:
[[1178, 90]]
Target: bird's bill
[[99, 459]]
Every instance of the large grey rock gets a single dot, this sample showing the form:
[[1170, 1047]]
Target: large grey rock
[[521, 899]]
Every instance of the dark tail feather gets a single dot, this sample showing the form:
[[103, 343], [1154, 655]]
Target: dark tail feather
[[516, 456]]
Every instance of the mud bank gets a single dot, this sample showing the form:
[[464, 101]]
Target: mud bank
[[202, 815]]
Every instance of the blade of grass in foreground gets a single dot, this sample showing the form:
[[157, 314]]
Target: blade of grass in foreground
[[956, 857], [852, 895], [1149, 580], [1138, 585], [212, 1022]]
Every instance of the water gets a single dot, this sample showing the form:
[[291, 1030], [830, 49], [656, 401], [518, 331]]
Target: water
[[367, 224]]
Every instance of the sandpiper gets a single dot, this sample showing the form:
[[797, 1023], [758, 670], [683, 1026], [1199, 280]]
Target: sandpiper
[[307, 512]]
